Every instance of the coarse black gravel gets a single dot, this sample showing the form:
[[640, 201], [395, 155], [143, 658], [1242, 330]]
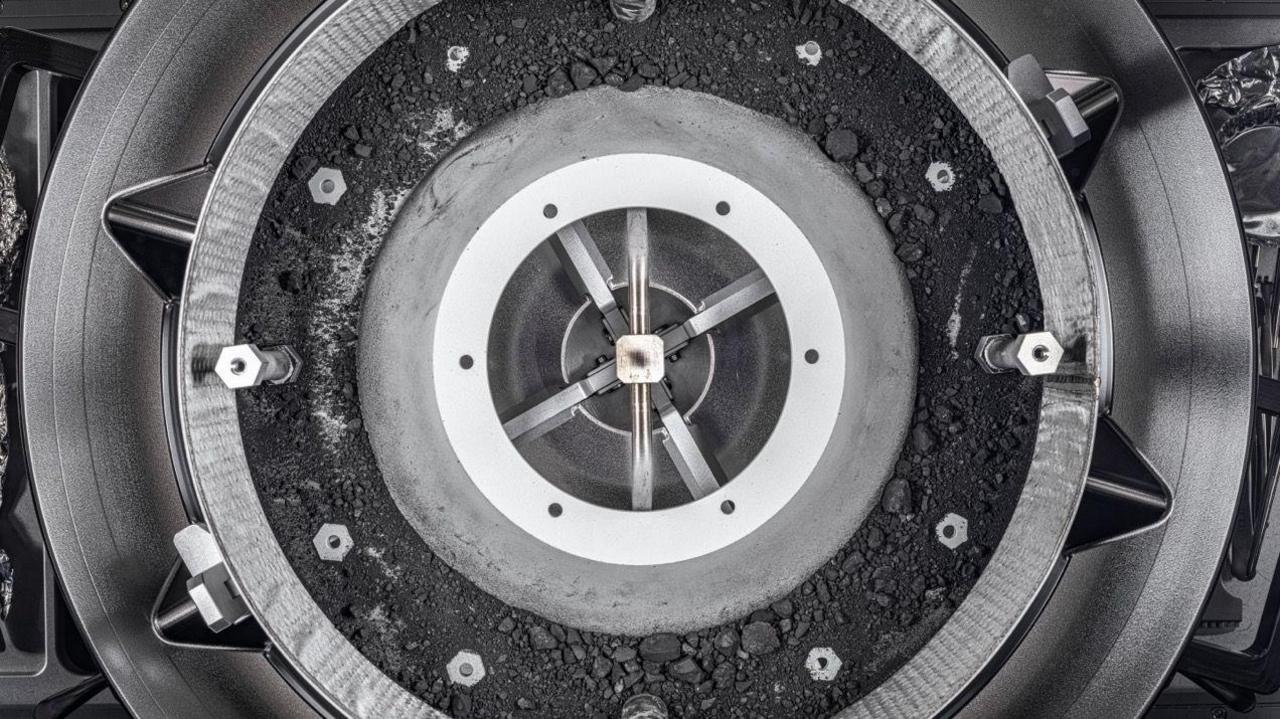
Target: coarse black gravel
[[876, 602]]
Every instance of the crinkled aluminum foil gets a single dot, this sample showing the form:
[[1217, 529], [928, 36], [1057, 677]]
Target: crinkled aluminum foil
[[6, 585], [1243, 97], [13, 223]]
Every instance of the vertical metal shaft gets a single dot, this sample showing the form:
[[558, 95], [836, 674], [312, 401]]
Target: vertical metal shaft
[[641, 401]]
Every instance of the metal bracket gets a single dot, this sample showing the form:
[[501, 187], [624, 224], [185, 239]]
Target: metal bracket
[[215, 596], [1077, 112], [1124, 496], [176, 620], [154, 224]]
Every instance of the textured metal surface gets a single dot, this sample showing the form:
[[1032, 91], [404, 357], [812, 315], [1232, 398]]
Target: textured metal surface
[[91, 345], [1017, 570], [319, 654], [1172, 249], [1021, 564]]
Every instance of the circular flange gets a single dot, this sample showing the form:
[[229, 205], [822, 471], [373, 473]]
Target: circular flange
[[297, 627], [792, 266], [465, 487]]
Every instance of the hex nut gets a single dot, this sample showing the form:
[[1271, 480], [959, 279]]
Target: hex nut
[[327, 186], [941, 176], [953, 531], [823, 664], [466, 668], [1035, 354], [244, 366], [218, 605], [1039, 353], [810, 53], [333, 542]]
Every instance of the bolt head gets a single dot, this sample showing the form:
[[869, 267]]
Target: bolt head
[[952, 531], [466, 668], [823, 664], [333, 542], [327, 186], [241, 366], [1038, 354]]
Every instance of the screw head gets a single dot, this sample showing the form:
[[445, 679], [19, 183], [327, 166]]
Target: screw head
[[823, 664], [466, 668], [952, 531], [327, 186], [333, 542]]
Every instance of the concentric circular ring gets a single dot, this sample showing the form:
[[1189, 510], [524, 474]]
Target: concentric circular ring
[[798, 440]]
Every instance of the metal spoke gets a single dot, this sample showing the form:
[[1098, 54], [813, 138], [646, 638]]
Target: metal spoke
[[558, 404], [699, 471], [745, 294], [641, 410], [590, 274]]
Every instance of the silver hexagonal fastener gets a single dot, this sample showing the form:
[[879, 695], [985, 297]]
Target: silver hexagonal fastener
[[941, 176], [952, 531], [823, 664], [244, 366], [1034, 354], [333, 542], [210, 587], [466, 668], [327, 186]]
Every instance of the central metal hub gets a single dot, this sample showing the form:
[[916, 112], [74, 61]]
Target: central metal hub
[[636, 421], [641, 359]]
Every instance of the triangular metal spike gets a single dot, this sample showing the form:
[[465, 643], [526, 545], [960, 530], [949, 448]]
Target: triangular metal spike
[[154, 225], [1124, 495]]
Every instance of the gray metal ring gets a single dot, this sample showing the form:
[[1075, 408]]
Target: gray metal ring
[[301, 633]]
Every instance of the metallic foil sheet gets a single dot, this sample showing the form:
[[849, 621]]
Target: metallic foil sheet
[[13, 222], [6, 585], [1243, 98]]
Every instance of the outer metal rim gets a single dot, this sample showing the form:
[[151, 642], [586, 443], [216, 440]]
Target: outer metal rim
[[1059, 244], [787, 458], [1183, 366], [90, 348], [297, 627]]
